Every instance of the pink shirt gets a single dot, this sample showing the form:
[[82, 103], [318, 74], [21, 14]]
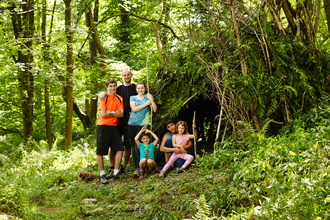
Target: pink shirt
[[181, 140]]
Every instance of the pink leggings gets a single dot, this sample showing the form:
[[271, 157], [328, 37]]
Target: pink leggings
[[187, 157]]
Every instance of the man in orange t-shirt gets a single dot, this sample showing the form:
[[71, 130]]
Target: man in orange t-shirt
[[111, 108]]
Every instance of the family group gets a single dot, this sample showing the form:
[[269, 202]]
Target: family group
[[125, 110]]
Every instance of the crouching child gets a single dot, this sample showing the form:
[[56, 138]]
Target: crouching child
[[146, 149]]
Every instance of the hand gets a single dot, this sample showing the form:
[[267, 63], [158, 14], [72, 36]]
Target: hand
[[144, 128], [102, 95], [109, 112], [177, 150], [148, 102], [194, 124], [149, 96], [147, 131], [183, 150]]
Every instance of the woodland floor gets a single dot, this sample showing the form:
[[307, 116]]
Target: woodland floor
[[150, 198]]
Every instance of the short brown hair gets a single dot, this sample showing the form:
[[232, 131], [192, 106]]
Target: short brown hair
[[184, 124], [141, 83], [144, 134], [110, 81]]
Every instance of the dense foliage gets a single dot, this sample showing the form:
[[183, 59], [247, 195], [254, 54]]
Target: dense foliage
[[255, 73], [282, 177]]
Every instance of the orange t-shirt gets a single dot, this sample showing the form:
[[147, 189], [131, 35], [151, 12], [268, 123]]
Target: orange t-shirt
[[110, 103]]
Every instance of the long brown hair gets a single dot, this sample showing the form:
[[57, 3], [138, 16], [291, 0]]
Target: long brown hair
[[184, 124]]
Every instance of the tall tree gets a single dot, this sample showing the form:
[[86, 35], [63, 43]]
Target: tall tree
[[23, 25], [327, 12], [45, 50], [69, 70]]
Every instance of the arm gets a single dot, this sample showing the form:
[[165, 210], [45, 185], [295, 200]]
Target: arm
[[181, 148], [109, 114], [138, 108], [174, 143], [118, 113], [195, 131], [188, 146], [152, 102], [136, 139], [106, 114], [155, 136], [167, 149], [102, 95]]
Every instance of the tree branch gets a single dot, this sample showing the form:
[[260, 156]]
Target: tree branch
[[129, 14]]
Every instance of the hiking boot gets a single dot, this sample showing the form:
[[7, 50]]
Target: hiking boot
[[179, 170], [103, 179], [162, 174], [136, 173], [141, 177], [109, 174], [120, 175]]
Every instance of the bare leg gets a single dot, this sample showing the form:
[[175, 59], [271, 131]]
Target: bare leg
[[127, 154], [167, 156], [99, 159], [111, 158], [118, 156], [152, 163], [143, 163]]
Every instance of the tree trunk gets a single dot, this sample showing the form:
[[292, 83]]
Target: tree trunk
[[276, 19], [49, 132], [289, 16], [327, 12], [69, 69], [97, 41], [157, 27], [317, 18], [165, 30], [23, 26], [92, 45], [49, 127], [124, 34]]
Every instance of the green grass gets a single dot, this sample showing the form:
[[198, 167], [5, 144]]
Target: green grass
[[282, 177]]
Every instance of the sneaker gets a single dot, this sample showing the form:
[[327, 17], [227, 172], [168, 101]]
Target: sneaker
[[136, 173], [179, 170], [120, 175], [103, 179], [122, 169], [141, 177], [162, 174], [109, 174], [158, 169]]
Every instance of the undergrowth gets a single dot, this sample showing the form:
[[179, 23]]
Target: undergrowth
[[282, 177]]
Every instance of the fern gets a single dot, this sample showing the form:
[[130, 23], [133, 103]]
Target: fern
[[4, 158], [203, 209]]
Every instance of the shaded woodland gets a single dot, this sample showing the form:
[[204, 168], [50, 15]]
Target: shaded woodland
[[256, 73], [260, 62]]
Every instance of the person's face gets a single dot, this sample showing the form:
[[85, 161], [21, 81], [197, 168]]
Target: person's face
[[171, 127], [140, 89], [112, 88], [127, 76], [145, 140], [181, 129]]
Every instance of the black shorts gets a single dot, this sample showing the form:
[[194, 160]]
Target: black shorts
[[123, 131], [108, 136]]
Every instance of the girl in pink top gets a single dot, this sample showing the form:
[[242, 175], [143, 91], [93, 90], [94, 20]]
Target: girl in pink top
[[179, 140]]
